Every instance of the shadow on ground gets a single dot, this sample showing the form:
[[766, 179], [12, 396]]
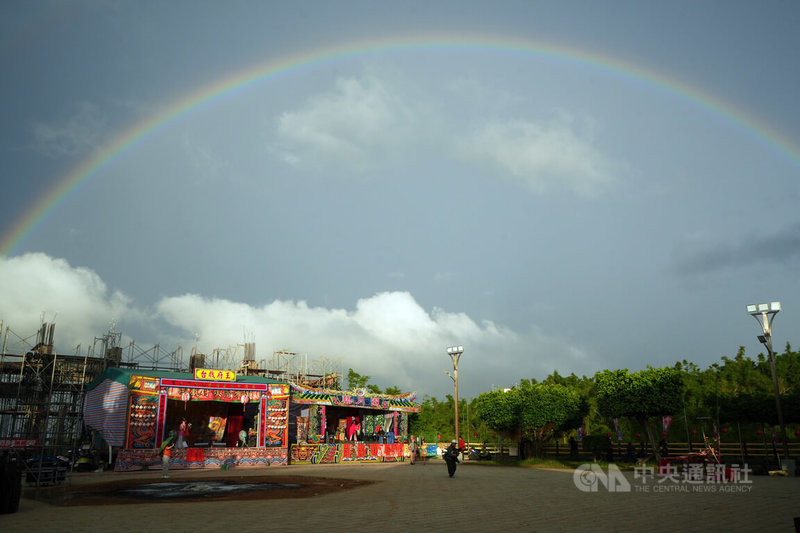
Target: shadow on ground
[[179, 490]]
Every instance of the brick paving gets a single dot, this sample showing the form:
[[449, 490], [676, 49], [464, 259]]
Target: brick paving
[[422, 498]]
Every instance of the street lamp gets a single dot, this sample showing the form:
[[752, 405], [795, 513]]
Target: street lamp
[[455, 352], [764, 315]]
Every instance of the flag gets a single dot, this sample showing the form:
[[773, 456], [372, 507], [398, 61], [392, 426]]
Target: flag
[[582, 430], [616, 426], [666, 422]]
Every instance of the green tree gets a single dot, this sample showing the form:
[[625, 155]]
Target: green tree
[[356, 380], [743, 375], [641, 395], [546, 408], [537, 410], [787, 366], [499, 410], [748, 407]]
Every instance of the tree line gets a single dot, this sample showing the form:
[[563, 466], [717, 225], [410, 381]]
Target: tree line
[[701, 403]]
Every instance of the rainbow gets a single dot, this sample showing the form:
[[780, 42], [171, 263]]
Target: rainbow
[[130, 138]]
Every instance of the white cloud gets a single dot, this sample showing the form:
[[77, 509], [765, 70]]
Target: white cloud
[[75, 298], [347, 124], [79, 133], [388, 336], [542, 155], [368, 119], [279, 325], [395, 319]]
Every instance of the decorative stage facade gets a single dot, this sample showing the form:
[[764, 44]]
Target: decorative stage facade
[[219, 419]]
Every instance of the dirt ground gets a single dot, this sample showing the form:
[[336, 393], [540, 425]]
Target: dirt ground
[[165, 490]]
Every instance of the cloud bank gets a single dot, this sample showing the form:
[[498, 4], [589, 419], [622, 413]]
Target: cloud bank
[[37, 287], [76, 134], [541, 155], [366, 119], [387, 336], [350, 124], [707, 253]]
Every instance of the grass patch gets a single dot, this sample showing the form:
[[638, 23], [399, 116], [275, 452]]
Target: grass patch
[[495, 462], [558, 464]]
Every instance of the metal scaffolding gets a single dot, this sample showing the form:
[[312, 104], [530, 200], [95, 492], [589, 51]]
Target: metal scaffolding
[[323, 372], [42, 392]]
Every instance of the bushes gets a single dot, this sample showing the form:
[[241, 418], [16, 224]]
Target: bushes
[[597, 445]]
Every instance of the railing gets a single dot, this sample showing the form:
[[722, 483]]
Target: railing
[[728, 450], [508, 449]]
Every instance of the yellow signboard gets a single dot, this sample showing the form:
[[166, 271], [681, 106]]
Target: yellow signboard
[[144, 384], [216, 375]]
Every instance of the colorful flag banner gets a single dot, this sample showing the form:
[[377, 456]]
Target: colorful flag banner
[[666, 422], [616, 426]]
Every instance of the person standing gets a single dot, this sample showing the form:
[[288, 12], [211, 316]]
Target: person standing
[[573, 448], [450, 457], [166, 454], [663, 448], [183, 430], [462, 446], [412, 447]]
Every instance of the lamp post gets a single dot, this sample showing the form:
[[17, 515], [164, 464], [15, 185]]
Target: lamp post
[[764, 315], [455, 352]]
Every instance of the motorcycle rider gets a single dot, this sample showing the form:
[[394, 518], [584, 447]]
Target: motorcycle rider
[[450, 456]]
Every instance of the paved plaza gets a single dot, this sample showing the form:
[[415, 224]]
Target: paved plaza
[[423, 498]]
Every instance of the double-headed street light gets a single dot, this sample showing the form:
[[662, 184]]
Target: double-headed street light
[[764, 315], [455, 352]]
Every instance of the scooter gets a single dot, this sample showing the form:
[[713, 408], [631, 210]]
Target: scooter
[[87, 461], [477, 455]]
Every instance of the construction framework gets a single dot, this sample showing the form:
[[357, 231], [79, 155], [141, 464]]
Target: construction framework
[[321, 373], [42, 392]]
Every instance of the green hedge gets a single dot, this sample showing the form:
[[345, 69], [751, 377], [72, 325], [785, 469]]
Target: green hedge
[[597, 445]]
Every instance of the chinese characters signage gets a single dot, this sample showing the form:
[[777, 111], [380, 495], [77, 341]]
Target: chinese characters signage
[[18, 443], [216, 375]]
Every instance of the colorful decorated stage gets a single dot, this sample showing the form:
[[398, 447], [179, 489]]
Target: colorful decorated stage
[[191, 458], [354, 452]]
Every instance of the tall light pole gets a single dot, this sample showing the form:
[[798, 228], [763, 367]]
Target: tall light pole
[[764, 315], [455, 352]]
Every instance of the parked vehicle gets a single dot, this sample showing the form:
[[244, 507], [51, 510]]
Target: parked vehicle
[[46, 469], [479, 455]]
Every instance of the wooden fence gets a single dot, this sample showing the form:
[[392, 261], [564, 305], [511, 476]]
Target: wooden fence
[[730, 451]]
